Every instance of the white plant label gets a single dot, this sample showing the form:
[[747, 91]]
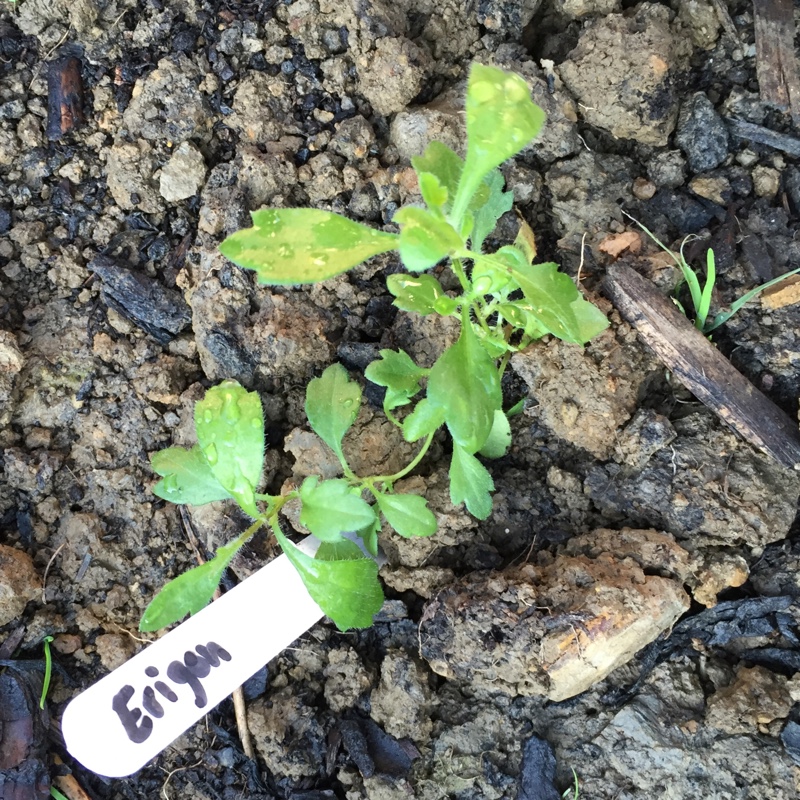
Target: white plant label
[[116, 726]]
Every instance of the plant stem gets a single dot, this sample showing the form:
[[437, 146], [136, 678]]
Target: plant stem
[[403, 472]]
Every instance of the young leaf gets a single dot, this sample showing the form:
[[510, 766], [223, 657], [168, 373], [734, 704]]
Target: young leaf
[[526, 240], [230, 431], [332, 403], [424, 419], [486, 216], [186, 477], [287, 246], [330, 507], [399, 374], [501, 120], [464, 382], [470, 483], [190, 592], [408, 514], [417, 293], [433, 192], [445, 165], [347, 590], [425, 238], [496, 446], [369, 536], [557, 303]]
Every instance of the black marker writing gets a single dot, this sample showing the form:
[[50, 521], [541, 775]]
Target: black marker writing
[[195, 665]]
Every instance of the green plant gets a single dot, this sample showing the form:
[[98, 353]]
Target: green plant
[[505, 302], [574, 791], [701, 296]]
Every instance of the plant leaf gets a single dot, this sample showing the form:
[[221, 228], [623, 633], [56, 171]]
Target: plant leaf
[[417, 293], [445, 165], [496, 446], [230, 431], [287, 246], [332, 403], [186, 477], [425, 238], [470, 483], [330, 508], [424, 419], [557, 304], [487, 214], [434, 193], [399, 374], [190, 592], [501, 118], [464, 382], [408, 514], [347, 590]]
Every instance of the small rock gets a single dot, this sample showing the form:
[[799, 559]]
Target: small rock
[[643, 189], [667, 169], [554, 629], [766, 181], [575, 9], [66, 643], [701, 21], [756, 698], [183, 175], [537, 772], [19, 583], [345, 679], [712, 187], [702, 134], [129, 173], [403, 702], [623, 74], [392, 75], [11, 361], [114, 649], [412, 130], [506, 16], [720, 571]]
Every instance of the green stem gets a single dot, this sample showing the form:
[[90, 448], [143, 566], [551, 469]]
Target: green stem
[[458, 270], [403, 472], [48, 669]]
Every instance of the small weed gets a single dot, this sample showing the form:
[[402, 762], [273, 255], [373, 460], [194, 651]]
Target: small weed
[[701, 296], [505, 302], [574, 791]]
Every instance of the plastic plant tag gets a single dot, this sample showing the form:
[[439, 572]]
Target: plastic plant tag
[[116, 726]]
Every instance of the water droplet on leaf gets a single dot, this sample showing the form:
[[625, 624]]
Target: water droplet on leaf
[[211, 454]]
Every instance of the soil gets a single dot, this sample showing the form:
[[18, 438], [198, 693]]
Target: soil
[[628, 611]]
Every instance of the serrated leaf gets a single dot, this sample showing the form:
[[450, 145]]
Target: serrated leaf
[[186, 477], [423, 420], [557, 304], [470, 483], [288, 246], [332, 403], [408, 514], [464, 382], [501, 118], [347, 590], [425, 238], [496, 446], [399, 374], [230, 432], [433, 192], [331, 507], [417, 293], [190, 592], [445, 165], [487, 214]]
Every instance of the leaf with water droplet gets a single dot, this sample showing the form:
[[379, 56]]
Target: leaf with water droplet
[[341, 580], [417, 293], [331, 507], [303, 245], [187, 477], [332, 403], [230, 430], [190, 592]]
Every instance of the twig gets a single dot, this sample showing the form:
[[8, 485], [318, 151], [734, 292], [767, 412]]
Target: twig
[[761, 135], [47, 570], [68, 784], [239, 708]]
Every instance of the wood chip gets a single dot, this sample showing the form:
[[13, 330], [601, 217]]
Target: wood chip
[[786, 293], [616, 244], [701, 368], [776, 64]]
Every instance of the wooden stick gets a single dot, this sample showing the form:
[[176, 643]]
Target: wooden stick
[[701, 368], [749, 131], [776, 64]]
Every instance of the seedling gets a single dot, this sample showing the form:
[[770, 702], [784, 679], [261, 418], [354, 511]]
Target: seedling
[[701, 297], [505, 302]]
